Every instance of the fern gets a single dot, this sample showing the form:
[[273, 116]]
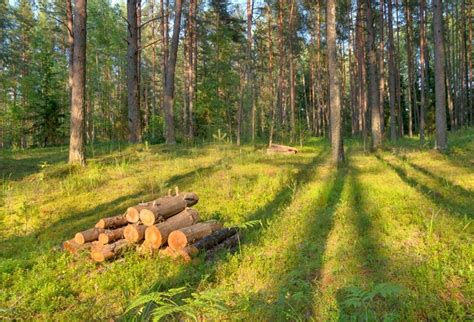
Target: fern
[[173, 302], [250, 224]]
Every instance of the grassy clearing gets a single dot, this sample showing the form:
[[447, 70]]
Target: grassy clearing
[[387, 236]]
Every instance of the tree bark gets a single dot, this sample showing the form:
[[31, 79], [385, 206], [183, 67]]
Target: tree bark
[[170, 76], [181, 238], [112, 222], [334, 97], [77, 140], [373, 86], [110, 236], [109, 251], [392, 83], [88, 235], [411, 86], [157, 235], [132, 73], [422, 71], [440, 90]]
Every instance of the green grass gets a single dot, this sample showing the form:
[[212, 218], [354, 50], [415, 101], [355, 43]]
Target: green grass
[[387, 236]]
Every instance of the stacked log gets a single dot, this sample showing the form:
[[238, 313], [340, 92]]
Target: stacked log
[[281, 149], [150, 226]]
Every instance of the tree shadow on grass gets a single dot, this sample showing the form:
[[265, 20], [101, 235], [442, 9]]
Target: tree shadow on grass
[[192, 275], [433, 195], [35, 243], [374, 264]]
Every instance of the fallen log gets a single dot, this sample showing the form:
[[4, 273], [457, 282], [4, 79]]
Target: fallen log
[[190, 197], [88, 235], [110, 236], [180, 238], [228, 243], [157, 235], [161, 209], [134, 233], [168, 252], [108, 251], [281, 149], [112, 222]]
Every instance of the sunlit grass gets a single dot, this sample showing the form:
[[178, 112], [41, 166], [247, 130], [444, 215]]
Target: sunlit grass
[[401, 219]]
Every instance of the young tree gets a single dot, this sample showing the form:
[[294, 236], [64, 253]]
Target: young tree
[[132, 73], [334, 97], [440, 90], [77, 140]]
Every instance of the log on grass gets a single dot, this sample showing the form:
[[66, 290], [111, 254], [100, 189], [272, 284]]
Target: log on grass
[[168, 252], [134, 233], [283, 148], [73, 247], [161, 209], [108, 251], [157, 235], [112, 222], [179, 239], [210, 241], [230, 243], [88, 235], [110, 236]]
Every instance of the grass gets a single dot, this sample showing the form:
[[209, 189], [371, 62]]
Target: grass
[[387, 236]]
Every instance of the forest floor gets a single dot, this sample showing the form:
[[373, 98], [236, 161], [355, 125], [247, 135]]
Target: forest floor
[[385, 236]]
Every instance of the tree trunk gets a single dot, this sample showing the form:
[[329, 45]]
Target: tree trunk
[[440, 90], [73, 247], [109, 236], [270, 73], [112, 222], [411, 86], [70, 39], [334, 97], [181, 238], [77, 140], [157, 235], [381, 69], [392, 83], [373, 86], [422, 71], [170, 75], [132, 73]]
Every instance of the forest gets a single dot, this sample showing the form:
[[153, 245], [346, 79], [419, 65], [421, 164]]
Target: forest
[[365, 214]]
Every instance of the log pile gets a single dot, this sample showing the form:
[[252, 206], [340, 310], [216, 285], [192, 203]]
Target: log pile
[[167, 226], [281, 149]]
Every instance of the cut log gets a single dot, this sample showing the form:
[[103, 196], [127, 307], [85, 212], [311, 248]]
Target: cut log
[[133, 213], [179, 239], [134, 233], [230, 242], [112, 222], [72, 247], [190, 197], [88, 235], [283, 148], [168, 252], [109, 236], [157, 235], [108, 251], [162, 208]]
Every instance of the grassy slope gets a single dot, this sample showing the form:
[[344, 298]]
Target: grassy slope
[[403, 216]]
